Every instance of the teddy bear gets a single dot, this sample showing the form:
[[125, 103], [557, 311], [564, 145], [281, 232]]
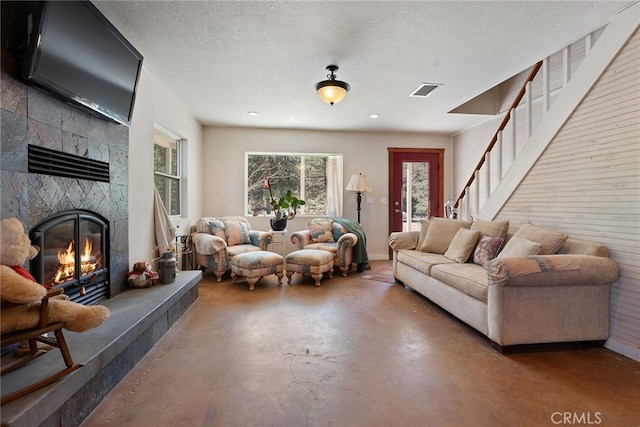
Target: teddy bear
[[21, 295], [142, 276]]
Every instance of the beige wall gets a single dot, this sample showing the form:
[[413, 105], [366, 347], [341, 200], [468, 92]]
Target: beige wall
[[366, 153], [216, 185], [154, 104]]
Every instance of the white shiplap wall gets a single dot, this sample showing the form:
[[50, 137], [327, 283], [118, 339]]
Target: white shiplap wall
[[587, 184]]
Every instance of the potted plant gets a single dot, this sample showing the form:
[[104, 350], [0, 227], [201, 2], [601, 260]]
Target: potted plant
[[284, 208]]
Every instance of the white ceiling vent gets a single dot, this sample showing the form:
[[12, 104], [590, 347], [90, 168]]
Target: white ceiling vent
[[425, 89]]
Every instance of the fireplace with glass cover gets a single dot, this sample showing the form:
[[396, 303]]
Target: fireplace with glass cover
[[74, 255]]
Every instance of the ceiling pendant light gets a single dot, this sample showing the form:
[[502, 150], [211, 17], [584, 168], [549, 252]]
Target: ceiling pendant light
[[332, 90]]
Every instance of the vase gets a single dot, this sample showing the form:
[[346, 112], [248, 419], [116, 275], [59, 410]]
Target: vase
[[278, 224]]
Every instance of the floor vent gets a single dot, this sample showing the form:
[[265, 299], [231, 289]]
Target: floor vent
[[424, 89], [52, 162]]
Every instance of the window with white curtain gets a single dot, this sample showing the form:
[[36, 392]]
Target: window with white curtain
[[314, 178]]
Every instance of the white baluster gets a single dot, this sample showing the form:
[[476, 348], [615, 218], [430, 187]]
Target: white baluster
[[499, 156], [476, 186], [487, 177], [588, 43], [529, 107], [546, 85], [566, 65], [514, 131]]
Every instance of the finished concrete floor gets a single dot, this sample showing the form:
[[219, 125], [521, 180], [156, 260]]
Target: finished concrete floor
[[356, 352]]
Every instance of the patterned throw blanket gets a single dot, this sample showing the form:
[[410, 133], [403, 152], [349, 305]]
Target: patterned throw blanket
[[360, 250]]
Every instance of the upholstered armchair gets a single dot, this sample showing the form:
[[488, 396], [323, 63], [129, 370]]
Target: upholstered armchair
[[329, 235], [217, 240]]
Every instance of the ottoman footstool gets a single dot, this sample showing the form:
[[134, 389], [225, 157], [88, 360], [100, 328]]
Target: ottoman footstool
[[314, 262], [255, 265]]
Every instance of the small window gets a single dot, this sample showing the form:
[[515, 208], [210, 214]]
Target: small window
[[167, 170], [314, 178]]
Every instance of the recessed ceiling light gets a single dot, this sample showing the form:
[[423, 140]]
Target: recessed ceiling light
[[375, 116], [252, 113]]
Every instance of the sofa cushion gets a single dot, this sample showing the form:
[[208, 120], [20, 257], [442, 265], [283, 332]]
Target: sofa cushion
[[212, 226], [324, 246], [440, 233], [202, 226], [546, 270], [583, 247], [421, 261], [550, 240], [217, 228], [321, 230], [517, 246], [338, 230], [424, 226], [403, 240], [487, 249], [240, 249], [237, 233], [491, 228], [462, 245], [468, 278]]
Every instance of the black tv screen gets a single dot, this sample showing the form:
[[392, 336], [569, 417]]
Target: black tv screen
[[74, 51]]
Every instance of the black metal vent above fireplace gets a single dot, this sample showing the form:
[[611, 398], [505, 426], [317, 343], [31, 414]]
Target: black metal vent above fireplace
[[52, 162]]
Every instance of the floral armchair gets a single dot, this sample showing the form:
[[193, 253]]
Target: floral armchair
[[217, 240], [329, 235]]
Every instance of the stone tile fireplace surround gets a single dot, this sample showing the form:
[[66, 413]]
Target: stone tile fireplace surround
[[139, 317], [31, 117]]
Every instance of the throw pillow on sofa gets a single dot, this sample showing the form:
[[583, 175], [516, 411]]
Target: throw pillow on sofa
[[517, 246], [487, 249], [551, 241], [321, 230], [237, 233], [440, 233], [491, 228], [211, 226], [217, 228], [338, 230], [202, 226], [462, 245]]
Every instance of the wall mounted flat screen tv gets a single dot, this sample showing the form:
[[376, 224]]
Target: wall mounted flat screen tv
[[75, 52]]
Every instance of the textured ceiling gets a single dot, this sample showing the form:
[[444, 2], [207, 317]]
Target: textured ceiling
[[222, 59]]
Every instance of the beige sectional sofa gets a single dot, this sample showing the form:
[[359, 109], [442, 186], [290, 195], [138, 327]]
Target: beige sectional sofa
[[530, 287]]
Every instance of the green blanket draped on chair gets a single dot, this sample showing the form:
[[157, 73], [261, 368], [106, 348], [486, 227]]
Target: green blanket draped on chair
[[360, 250]]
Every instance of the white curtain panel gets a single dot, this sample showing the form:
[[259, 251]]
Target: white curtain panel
[[334, 186], [165, 233]]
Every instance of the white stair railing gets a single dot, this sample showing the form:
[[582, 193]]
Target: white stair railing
[[492, 164]]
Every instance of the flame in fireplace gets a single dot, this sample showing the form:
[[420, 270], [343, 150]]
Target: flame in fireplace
[[67, 259]]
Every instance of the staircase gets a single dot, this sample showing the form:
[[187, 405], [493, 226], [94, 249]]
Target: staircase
[[550, 92]]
